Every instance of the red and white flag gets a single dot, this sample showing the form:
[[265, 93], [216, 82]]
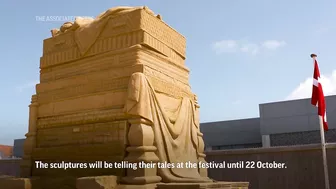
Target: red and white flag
[[318, 96]]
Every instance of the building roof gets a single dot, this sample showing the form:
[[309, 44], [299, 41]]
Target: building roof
[[295, 100], [7, 151], [243, 131], [275, 118], [294, 116]]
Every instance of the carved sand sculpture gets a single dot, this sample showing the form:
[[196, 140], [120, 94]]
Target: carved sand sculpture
[[115, 88]]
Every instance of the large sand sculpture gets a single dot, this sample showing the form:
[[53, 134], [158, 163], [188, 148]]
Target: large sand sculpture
[[116, 88]]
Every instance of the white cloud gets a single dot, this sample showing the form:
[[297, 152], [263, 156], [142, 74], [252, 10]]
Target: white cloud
[[304, 90], [273, 44], [225, 46], [234, 46], [250, 48], [26, 86]]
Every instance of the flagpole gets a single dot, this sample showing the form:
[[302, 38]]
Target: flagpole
[[323, 144], [324, 154]]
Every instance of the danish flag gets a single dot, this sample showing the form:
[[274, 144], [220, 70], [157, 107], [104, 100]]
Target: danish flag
[[317, 94]]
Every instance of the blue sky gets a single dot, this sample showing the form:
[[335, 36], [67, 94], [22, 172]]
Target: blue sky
[[240, 53]]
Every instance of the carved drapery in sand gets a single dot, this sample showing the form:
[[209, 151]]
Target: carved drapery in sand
[[175, 132]]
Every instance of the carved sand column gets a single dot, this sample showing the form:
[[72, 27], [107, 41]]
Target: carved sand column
[[203, 171], [141, 149], [30, 142]]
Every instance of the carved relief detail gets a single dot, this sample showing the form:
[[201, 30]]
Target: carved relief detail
[[136, 20], [91, 65], [168, 88], [62, 42], [81, 118], [164, 70], [163, 48], [95, 133], [90, 88], [120, 84], [114, 60], [86, 67], [163, 32], [85, 78], [161, 74], [101, 45], [70, 92], [110, 44]]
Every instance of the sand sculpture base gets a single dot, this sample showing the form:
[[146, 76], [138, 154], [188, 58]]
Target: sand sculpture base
[[111, 182]]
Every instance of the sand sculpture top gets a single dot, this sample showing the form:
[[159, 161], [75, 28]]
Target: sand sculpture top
[[87, 30], [82, 22]]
